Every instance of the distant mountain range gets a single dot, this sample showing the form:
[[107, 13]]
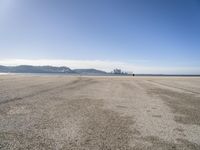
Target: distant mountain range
[[48, 69]]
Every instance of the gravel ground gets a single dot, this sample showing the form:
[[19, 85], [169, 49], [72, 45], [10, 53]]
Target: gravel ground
[[99, 113]]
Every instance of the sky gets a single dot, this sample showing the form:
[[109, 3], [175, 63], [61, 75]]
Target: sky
[[140, 36]]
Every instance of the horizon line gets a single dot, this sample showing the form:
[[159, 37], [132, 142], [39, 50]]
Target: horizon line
[[104, 65]]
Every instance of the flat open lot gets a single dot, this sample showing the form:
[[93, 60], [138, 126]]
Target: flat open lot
[[89, 113]]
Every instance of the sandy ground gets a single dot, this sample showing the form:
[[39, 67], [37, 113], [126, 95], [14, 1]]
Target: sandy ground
[[99, 113]]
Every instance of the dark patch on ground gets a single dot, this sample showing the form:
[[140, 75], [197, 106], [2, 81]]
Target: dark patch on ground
[[120, 106], [160, 144], [12, 140], [186, 106], [156, 116], [101, 129]]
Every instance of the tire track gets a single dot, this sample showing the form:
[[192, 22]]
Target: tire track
[[72, 85], [164, 84], [22, 88]]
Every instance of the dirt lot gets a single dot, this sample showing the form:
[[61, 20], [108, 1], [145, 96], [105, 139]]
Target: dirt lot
[[91, 113]]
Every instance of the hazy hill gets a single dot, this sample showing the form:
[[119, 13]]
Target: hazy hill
[[47, 69], [35, 69]]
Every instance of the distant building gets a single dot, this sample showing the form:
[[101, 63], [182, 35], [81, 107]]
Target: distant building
[[120, 72], [117, 71]]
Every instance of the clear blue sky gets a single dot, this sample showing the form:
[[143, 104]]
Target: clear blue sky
[[158, 33]]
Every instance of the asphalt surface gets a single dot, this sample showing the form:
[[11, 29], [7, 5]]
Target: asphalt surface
[[99, 113]]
